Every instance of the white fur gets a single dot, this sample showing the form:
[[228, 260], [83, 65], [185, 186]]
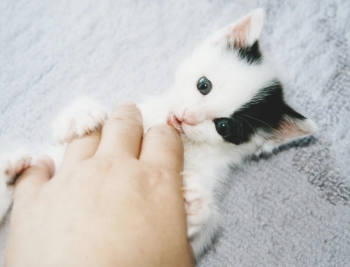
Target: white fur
[[207, 155], [256, 24], [83, 117]]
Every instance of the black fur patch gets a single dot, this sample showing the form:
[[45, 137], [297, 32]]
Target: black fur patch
[[250, 54], [264, 112]]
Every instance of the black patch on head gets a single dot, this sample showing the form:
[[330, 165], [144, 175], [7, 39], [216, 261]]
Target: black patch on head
[[264, 112], [250, 54]]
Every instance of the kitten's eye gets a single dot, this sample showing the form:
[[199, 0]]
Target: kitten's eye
[[204, 85], [223, 126]]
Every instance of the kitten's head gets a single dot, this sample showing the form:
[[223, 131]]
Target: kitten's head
[[226, 91]]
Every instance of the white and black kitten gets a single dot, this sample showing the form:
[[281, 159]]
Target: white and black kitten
[[227, 103]]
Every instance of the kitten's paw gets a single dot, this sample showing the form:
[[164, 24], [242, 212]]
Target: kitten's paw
[[196, 204], [13, 166], [84, 117], [10, 168]]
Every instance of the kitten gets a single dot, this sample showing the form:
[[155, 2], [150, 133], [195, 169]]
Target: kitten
[[227, 103]]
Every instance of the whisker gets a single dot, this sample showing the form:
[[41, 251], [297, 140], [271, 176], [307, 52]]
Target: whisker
[[258, 120], [248, 123]]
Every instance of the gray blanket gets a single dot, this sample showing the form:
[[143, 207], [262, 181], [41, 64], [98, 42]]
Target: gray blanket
[[288, 209]]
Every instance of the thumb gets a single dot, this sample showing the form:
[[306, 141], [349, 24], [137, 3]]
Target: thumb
[[33, 178]]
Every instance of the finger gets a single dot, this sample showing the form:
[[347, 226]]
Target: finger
[[32, 179], [122, 133], [80, 149], [162, 148]]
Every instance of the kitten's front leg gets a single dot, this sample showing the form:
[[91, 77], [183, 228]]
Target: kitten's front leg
[[202, 214], [82, 117]]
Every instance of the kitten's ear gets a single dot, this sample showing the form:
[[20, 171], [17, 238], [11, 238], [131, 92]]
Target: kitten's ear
[[292, 126], [246, 31]]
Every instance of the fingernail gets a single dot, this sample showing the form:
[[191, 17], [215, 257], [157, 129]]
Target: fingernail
[[129, 108], [126, 103]]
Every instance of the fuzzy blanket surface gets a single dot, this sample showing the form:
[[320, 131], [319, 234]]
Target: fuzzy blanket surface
[[288, 209]]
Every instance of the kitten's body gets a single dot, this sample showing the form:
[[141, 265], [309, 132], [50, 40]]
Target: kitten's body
[[227, 103]]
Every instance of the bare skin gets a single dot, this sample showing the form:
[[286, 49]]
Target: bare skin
[[116, 201]]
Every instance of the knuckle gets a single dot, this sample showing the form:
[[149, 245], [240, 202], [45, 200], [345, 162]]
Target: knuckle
[[123, 122], [126, 113], [155, 176]]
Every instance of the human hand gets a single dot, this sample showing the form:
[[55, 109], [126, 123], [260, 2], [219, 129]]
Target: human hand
[[116, 201]]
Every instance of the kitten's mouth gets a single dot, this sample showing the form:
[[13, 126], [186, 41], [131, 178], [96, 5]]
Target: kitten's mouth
[[175, 122]]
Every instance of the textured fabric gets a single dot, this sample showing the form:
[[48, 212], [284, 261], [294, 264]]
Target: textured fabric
[[288, 209]]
